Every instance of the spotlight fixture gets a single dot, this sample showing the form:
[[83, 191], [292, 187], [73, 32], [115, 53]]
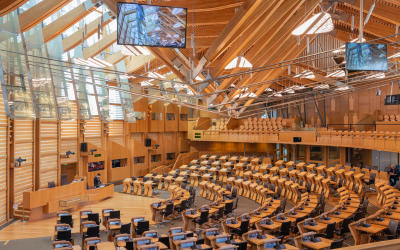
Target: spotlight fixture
[[18, 162], [92, 150]]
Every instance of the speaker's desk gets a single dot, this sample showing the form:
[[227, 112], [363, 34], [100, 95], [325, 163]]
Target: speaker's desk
[[52, 200]]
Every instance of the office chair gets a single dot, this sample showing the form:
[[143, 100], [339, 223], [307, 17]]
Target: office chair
[[142, 226], [51, 184], [371, 180], [183, 185], [313, 214], [67, 219], [125, 229], [228, 208], [284, 229], [202, 219], [344, 227], [165, 241], [391, 232], [229, 187], [241, 245], [129, 245], [337, 244], [146, 178], [154, 185], [115, 215], [220, 215], [64, 235], [236, 203], [92, 232], [167, 213], [358, 216], [294, 229], [375, 168], [94, 217], [234, 194], [181, 208], [64, 180], [244, 228], [329, 231]]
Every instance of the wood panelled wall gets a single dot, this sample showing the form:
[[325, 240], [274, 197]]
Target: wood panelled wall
[[347, 108], [44, 143]]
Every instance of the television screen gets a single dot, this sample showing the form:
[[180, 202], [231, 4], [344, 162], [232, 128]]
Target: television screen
[[116, 163], [151, 25], [366, 56], [94, 166]]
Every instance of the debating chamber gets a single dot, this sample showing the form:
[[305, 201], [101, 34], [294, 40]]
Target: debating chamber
[[199, 124]]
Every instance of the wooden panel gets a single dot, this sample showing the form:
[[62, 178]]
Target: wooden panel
[[173, 110], [116, 151], [3, 161], [157, 125], [23, 148], [93, 132], [116, 132], [48, 152]]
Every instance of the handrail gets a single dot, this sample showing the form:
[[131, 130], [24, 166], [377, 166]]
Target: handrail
[[191, 156], [357, 124]]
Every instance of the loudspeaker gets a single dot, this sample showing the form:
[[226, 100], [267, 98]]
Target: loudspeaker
[[147, 143], [83, 147], [296, 139]]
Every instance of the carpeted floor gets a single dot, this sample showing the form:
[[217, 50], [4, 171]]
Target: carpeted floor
[[245, 205]]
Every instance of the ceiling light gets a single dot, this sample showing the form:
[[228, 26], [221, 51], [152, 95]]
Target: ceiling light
[[322, 86], [240, 62], [305, 74], [324, 25], [343, 47], [343, 88], [145, 83], [155, 75], [378, 76], [337, 73], [397, 55]]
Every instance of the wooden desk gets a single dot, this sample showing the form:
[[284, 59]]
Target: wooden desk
[[325, 243], [105, 246], [317, 228], [48, 200]]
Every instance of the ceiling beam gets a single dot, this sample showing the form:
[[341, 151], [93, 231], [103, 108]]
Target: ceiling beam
[[100, 45], [39, 12], [7, 6], [75, 39], [61, 24], [239, 22]]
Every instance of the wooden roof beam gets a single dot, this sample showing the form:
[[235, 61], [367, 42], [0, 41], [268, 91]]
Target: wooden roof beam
[[239, 22], [58, 26], [253, 35], [39, 12], [100, 45], [75, 39], [7, 6]]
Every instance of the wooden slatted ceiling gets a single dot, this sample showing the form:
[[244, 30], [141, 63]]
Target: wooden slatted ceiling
[[93, 132], [3, 161], [116, 132], [48, 164], [23, 148]]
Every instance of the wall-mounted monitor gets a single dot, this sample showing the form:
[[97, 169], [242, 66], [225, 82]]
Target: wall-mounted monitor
[[366, 56], [151, 25], [95, 166], [116, 163]]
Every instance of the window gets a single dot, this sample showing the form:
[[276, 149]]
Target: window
[[140, 116], [184, 117], [156, 116], [170, 156], [116, 112], [170, 116], [155, 158], [95, 166], [316, 153], [138, 160]]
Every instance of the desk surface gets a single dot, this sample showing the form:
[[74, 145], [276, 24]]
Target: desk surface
[[373, 229], [257, 241], [317, 228], [325, 243]]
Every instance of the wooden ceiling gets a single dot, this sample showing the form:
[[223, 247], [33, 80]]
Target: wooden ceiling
[[260, 30]]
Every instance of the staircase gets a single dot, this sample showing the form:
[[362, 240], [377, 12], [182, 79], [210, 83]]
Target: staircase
[[19, 213]]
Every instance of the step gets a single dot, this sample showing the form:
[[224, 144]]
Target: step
[[20, 211], [19, 216]]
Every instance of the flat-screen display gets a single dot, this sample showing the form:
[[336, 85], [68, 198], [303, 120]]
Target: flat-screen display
[[116, 163], [94, 166], [151, 25], [366, 56]]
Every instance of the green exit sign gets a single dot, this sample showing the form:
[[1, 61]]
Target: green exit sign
[[97, 155]]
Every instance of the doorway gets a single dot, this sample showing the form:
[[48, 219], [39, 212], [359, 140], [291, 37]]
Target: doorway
[[70, 170]]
